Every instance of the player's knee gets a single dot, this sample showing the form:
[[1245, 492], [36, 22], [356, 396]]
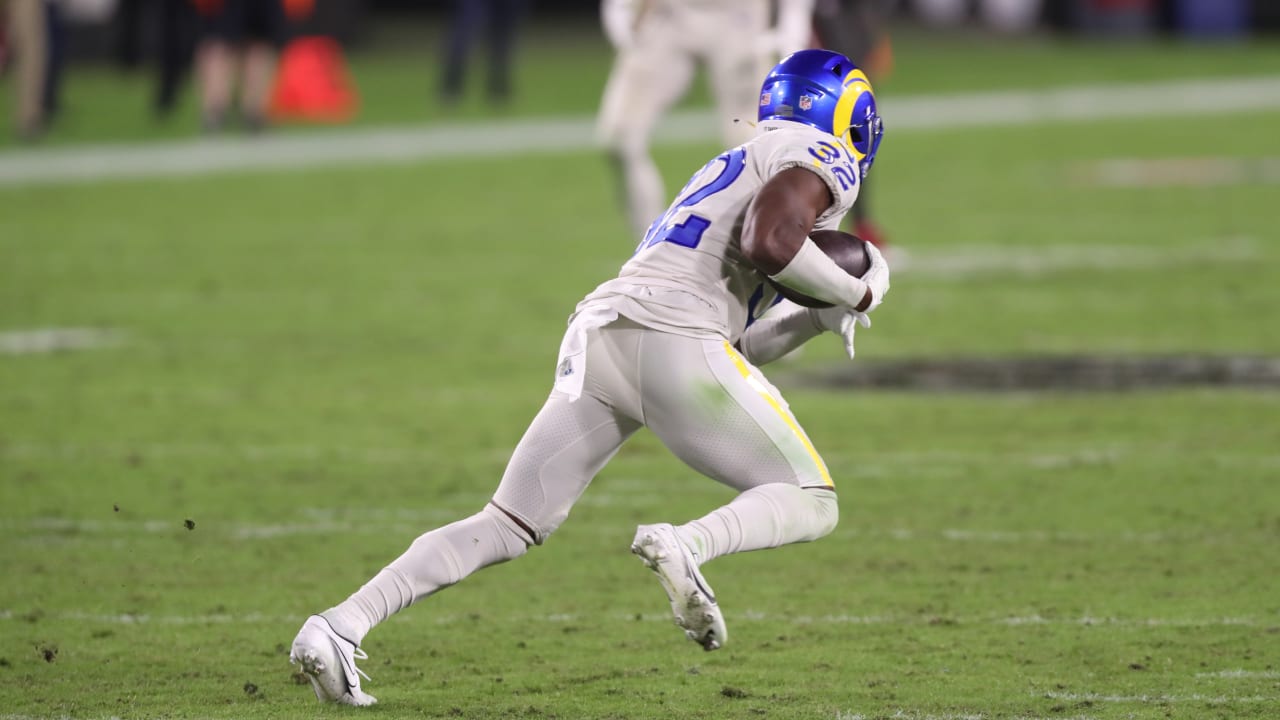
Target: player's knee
[[530, 530], [621, 143], [826, 512], [607, 138]]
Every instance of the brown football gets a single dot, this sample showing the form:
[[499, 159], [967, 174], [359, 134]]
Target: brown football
[[848, 251]]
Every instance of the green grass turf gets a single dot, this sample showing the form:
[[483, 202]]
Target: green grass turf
[[317, 367]]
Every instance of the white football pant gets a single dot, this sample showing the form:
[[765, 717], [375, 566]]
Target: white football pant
[[703, 400]]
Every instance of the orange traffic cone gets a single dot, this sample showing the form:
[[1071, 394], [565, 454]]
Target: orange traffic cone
[[312, 83]]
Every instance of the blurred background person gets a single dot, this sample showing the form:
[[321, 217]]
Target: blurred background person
[[501, 19], [858, 29], [25, 20], [36, 38], [658, 45], [243, 33], [55, 32], [174, 32]]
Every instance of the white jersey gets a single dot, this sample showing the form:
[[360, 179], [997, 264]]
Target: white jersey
[[689, 276]]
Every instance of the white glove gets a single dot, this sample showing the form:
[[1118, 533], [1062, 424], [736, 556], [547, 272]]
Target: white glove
[[844, 321], [876, 277], [841, 321]]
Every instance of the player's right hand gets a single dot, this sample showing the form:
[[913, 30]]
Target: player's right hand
[[876, 277]]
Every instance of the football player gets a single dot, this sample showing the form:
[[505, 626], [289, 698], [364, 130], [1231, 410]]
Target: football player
[[659, 43], [673, 344]]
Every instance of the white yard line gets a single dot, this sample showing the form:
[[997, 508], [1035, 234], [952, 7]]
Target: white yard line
[[910, 715], [1179, 172], [48, 340], [3, 716], [1242, 674], [234, 451], [961, 262], [1161, 698], [399, 145]]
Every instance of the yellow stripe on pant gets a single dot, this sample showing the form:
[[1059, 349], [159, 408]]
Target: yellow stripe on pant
[[759, 387]]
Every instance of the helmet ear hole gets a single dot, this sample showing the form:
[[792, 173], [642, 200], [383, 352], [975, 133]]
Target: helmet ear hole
[[838, 70]]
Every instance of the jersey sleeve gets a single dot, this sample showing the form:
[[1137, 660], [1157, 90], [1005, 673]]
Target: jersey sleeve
[[822, 155]]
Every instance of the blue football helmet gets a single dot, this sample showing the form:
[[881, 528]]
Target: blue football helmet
[[825, 90]]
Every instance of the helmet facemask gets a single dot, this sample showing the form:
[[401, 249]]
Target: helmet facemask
[[863, 140]]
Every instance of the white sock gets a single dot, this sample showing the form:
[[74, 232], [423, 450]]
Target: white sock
[[434, 561], [763, 517]]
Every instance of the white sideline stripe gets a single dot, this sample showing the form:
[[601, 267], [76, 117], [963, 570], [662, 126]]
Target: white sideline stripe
[[398, 145], [1214, 96], [1161, 698], [47, 340], [626, 617]]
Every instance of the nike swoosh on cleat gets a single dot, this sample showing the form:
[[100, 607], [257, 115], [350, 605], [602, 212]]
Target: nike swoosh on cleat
[[698, 581], [348, 666]]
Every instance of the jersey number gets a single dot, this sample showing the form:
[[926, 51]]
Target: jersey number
[[689, 232]]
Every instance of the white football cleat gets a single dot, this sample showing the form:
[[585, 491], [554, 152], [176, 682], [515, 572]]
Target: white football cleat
[[329, 662], [692, 601]]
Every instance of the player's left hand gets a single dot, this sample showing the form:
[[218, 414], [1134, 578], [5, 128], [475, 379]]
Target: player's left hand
[[841, 321]]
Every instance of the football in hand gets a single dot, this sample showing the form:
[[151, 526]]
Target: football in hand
[[848, 251]]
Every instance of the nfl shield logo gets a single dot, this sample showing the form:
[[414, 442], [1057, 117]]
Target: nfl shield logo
[[765, 98], [806, 102]]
